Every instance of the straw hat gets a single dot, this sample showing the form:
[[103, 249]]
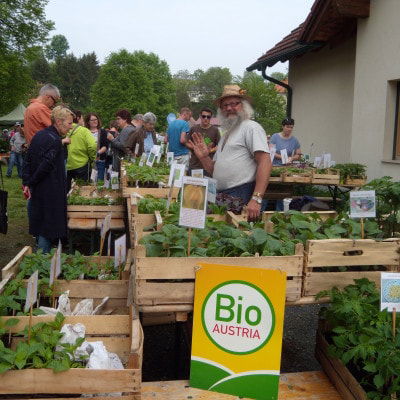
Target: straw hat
[[232, 90]]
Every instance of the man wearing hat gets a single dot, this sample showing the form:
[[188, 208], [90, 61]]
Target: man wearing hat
[[241, 164]]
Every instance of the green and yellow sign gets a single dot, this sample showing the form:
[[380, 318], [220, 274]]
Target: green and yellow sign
[[237, 330]]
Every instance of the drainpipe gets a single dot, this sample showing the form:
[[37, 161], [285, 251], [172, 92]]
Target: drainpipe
[[286, 86]]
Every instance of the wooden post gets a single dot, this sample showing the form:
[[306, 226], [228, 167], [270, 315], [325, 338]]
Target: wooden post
[[30, 323], [120, 266], [362, 227], [189, 241]]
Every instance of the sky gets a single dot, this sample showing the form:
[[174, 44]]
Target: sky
[[187, 34]]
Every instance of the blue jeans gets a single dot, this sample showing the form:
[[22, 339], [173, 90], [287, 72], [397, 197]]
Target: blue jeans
[[101, 167], [15, 159], [244, 191], [44, 244]]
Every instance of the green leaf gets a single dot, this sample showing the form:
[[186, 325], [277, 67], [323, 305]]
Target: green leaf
[[370, 367], [378, 381], [11, 322]]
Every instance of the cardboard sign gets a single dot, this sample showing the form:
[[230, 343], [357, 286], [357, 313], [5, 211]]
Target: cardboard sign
[[362, 204], [170, 157], [105, 226], [390, 291], [212, 190], [193, 202], [176, 174], [114, 180], [31, 291], [284, 156], [198, 173], [237, 330], [119, 251]]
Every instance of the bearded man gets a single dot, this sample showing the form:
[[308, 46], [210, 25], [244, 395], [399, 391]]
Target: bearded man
[[242, 164]]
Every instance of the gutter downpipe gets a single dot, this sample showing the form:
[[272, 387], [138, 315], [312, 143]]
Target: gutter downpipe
[[284, 85]]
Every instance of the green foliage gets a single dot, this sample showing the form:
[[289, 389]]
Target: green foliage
[[137, 81], [4, 146], [269, 105], [41, 351], [350, 170], [361, 336], [75, 199], [145, 174], [388, 204], [57, 47], [40, 70]]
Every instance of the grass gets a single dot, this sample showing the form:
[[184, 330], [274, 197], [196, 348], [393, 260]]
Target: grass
[[18, 225]]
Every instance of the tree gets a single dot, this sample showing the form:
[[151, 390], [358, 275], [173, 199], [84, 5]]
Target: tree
[[138, 81], [40, 70], [269, 106], [57, 48], [23, 25], [280, 76], [185, 85]]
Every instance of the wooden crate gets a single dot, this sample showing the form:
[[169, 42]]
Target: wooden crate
[[355, 181], [273, 179], [161, 283], [119, 334], [337, 372], [116, 290], [327, 253], [304, 177], [331, 177]]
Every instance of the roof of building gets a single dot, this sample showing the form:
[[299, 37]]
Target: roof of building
[[329, 21]]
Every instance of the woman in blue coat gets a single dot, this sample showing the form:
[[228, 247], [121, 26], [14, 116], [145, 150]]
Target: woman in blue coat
[[44, 180]]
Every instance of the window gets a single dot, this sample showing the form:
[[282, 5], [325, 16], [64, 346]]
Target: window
[[396, 141]]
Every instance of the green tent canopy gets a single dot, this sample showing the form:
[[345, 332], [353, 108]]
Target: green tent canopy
[[16, 115]]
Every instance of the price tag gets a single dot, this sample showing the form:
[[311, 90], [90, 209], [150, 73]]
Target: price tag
[[31, 291]]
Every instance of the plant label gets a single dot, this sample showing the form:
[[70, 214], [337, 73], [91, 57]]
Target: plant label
[[143, 159], [193, 202], [31, 291], [93, 175], [55, 264], [198, 173], [136, 149], [317, 162], [119, 251], [326, 160], [170, 157], [237, 330], [212, 190], [390, 291], [362, 204], [53, 268], [114, 180], [272, 151], [176, 174], [105, 226], [153, 155], [284, 156]]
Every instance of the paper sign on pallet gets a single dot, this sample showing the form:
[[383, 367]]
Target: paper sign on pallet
[[237, 330], [390, 291], [362, 204], [31, 291]]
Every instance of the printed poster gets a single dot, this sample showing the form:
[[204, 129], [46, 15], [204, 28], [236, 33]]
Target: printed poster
[[390, 291], [193, 202], [237, 330], [362, 204]]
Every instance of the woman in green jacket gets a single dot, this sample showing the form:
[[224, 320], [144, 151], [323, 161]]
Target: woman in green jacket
[[81, 151]]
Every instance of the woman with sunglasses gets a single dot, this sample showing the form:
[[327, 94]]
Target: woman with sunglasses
[[210, 134], [93, 123]]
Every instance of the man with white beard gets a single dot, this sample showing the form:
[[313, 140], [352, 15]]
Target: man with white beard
[[242, 164]]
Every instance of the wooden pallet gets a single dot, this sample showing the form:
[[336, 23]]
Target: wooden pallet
[[328, 253], [295, 386], [167, 284], [297, 178], [355, 181], [332, 177], [119, 334], [337, 372], [116, 290]]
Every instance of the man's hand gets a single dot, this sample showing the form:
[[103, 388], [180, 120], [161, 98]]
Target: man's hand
[[110, 136], [198, 145], [66, 140], [27, 192], [253, 210]]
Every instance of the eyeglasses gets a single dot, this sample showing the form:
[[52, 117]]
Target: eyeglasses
[[53, 98], [93, 119], [206, 116], [233, 104]]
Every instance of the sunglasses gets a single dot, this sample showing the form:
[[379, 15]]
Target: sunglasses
[[206, 116]]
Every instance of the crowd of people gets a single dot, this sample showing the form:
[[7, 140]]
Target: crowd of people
[[61, 144]]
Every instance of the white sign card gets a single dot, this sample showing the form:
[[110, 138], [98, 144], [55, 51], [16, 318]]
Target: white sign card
[[198, 173], [272, 151], [109, 245], [114, 180], [170, 157], [136, 149], [284, 156], [327, 160], [390, 291], [143, 159], [212, 190], [31, 291], [317, 162], [193, 202], [362, 204], [55, 265], [105, 226], [153, 155], [119, 251], [176, 172], [93, 175]]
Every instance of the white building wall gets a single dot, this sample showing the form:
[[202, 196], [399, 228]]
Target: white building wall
[[377, 69], [323, 85]]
